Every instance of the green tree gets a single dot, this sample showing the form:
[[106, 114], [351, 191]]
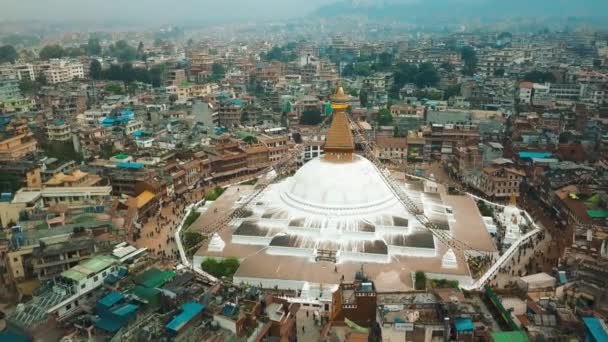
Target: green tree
[[419, 280], [192, 239], [28, 87], [499, 72], [127, 73], [311, 117], [404, 73], [9, 182], [60, 150], [453, 90], [537, 76], [113, 73], [426, 76], [348, 70], [95, 70], [284, 54], [469, 56], [385, 61], [114, 88], [363, 100], [74, 52], [385, 117], [123, 51], [250, 139], [41, 79], [362, 69], [220, 268], [140, 51], [51, 51], [447, 66], [8, 54], [93, 47], [217, 72]]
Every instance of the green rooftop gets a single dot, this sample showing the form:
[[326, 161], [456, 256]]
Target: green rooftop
[[74, 275], [509, 336], [90, 266], [121, 156], [597, 214]]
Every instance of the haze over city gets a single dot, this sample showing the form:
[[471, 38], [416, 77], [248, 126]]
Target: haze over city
[[321, 170]]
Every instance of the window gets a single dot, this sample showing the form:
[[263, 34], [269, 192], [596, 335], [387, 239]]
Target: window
[[96, 278], [15, 259], [82, 286], [68, 307]]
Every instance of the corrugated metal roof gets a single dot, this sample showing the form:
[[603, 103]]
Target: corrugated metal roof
[[190, 310]]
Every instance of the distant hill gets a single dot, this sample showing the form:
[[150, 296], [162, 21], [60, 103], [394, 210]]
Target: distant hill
[[427, 10]]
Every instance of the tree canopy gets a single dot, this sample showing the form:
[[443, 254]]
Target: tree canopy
[[123, 51], [127, 73], [95, 69], [217, 72], [537, 76], [8, 54], [51, 51], [385, 117], [286, 53], [311, 117], [469, 57], [423, 75], [93, 47], [220, 268]]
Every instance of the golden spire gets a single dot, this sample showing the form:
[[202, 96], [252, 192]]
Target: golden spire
[[340, 143]]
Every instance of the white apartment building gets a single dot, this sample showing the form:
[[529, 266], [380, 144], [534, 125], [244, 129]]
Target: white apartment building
[[313, 148], [133, 126], [59, 131], [25, 72], [92, 118], [60, 70]]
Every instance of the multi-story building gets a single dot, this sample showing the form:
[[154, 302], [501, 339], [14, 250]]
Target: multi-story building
[[277, 146], [19, 174], [230, 112], [92, 118], [64, 102], [176, 77], [500, 182], [50, 259], [59, 131], [356, 302], [65, 294], [526, 90], [227, 158], [391, 149], [201, 64], [16, 142], [75, 178], [25, 72], [313, 148], [72, 196], [60, 71], [257, 157], [9, 89]]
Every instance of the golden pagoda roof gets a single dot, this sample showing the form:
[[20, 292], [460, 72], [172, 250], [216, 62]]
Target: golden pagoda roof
[[339, 136], [339, 95]]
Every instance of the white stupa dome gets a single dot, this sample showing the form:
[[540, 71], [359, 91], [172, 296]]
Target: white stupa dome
[[322, 186]]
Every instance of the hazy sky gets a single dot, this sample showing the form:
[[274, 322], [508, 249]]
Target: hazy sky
[[162, 11]]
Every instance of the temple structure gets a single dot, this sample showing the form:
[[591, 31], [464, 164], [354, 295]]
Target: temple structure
[[338, 209]]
